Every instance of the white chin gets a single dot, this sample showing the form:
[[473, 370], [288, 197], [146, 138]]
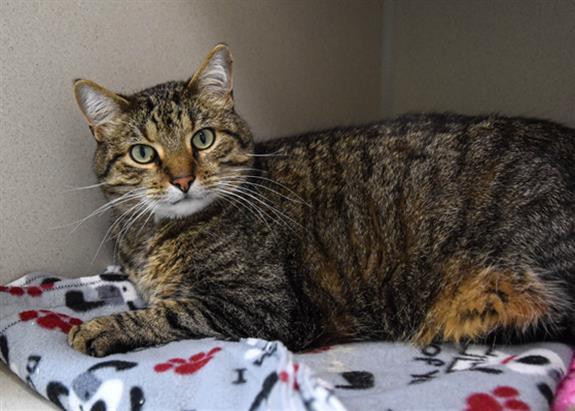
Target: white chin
[[182, 208]]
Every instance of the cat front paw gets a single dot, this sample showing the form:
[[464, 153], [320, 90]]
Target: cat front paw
[[98, 337]]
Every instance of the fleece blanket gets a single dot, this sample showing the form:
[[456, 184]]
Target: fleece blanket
[[565, 399], [37, 311]]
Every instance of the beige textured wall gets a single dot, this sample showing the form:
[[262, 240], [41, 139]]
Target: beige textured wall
[[510, 56], [299, 65]]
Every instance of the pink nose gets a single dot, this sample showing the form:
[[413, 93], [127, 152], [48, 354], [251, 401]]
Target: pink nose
[[183, 183]]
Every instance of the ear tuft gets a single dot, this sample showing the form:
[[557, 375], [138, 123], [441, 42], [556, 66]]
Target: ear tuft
[[99, 105], [213, 79]]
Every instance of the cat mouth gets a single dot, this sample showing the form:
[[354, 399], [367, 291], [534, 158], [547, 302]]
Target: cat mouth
[[185, 205], [187, 197], [180, 200]]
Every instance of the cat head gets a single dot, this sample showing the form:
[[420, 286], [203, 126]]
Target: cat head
[[172, 149]]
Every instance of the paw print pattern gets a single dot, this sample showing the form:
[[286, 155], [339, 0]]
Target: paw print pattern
[[502, 398], [51, 320], [32, 291], [191, 365], [286, 375]]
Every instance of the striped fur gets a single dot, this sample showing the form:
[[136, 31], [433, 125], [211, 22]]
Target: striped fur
[[422, 228]]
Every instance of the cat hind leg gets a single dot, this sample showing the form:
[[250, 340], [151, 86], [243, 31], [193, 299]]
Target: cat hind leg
[[484, 301]]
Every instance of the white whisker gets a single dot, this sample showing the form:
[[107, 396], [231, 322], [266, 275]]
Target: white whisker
[[142, 210], [254, 195], [274, 154], [151, 209], [71, 189], [111, 228], [103, 208], [258, 213], [270, 180], [243, 181]]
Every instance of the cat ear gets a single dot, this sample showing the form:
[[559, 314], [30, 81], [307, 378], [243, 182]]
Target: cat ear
[[213, 80], [98, 105]]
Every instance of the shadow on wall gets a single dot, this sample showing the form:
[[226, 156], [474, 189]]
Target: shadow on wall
[[304, 65], [515, 57]]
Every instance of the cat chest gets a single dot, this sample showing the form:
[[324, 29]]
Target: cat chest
[[159, 273]]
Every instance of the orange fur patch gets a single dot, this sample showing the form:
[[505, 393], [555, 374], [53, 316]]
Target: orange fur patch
[[486, 300]]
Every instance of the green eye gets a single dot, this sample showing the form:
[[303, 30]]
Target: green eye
[[142, 153], [203, 139]]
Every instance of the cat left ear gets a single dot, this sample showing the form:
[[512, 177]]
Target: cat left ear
[[213, 80], [98, 105]]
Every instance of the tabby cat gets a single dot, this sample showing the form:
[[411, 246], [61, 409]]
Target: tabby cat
[[428, 227]]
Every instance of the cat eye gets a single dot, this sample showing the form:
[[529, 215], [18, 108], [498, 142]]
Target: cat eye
[[203, 139], [142, 153]]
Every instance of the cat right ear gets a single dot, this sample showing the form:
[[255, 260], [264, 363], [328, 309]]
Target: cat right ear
[[213, 80], [99, 106]]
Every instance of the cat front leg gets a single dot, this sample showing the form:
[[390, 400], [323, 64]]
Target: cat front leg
[[164, 321]]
